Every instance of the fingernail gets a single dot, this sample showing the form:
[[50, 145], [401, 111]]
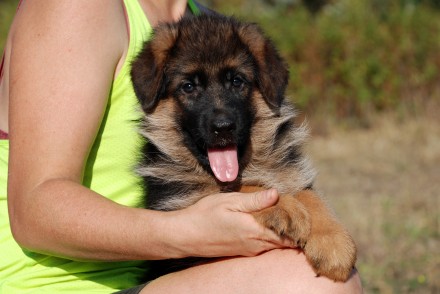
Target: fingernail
[[270, 194]]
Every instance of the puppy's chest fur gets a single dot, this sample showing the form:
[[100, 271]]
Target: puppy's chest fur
[[273, 158]]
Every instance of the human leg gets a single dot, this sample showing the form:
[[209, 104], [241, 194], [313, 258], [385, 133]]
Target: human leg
[[276, 271]]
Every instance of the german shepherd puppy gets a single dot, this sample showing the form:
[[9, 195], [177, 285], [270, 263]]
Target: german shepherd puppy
[[215, 118]]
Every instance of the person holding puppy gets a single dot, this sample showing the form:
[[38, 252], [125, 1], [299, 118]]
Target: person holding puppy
[[71, 220]]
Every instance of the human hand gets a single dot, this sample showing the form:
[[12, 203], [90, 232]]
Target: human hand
[[222, 225]]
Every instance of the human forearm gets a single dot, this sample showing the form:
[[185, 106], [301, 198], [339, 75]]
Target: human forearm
[[62, 218]]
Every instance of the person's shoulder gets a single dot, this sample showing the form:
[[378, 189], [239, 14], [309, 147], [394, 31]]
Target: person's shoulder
[[67, 12], [64, 22]]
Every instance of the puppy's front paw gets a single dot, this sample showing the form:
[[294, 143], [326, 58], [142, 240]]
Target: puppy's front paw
[[288, 218], [331, 254]]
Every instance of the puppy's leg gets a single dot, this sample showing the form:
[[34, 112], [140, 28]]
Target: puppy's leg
[[288, 218], [329, 249], [305, 219]]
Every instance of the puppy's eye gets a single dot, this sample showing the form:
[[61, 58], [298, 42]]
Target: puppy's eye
[[188, 87], [237, 82]]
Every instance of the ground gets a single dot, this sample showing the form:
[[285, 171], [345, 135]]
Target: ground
[[384, 184]]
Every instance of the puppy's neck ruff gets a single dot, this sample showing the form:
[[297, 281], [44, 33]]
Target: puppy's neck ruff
[[268, 152]]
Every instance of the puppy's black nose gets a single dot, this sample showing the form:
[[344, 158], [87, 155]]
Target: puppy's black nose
[[222, 124]]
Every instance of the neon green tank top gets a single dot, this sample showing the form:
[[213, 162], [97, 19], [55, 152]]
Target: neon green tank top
[[109, 171]]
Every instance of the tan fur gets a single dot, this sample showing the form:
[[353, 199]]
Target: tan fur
[[305, 219]]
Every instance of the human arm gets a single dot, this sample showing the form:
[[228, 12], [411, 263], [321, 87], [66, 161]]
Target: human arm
[[64, 55], [62, 67]]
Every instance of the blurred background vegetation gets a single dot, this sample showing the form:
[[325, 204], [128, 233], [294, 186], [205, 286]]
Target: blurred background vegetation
[[7, 9], [352, 63], [348, 59], [353, 58]]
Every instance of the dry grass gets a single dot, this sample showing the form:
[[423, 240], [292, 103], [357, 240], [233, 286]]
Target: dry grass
[[383, 183]]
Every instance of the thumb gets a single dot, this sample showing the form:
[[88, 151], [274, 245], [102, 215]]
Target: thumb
[[258, 200]]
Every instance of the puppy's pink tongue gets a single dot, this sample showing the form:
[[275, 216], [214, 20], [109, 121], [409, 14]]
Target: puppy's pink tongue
[[224, 163]]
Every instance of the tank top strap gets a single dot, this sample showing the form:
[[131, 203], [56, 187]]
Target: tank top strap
[[139, 28], [193, 7]]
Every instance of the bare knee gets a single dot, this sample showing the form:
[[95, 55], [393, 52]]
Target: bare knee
[[276, 271], [291, 273]]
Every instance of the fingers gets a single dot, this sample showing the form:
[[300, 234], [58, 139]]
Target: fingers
[[257, 201], [260, 246], [226, 220], [275, 241]]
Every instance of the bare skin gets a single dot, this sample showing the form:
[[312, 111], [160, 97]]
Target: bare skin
[[51, 212], [280, 271]]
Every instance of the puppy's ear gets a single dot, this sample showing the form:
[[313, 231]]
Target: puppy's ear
[[273, 74], [148, 69]]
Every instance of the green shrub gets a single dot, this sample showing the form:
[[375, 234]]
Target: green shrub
[[7, 10], [351, 58], [354, 58]]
